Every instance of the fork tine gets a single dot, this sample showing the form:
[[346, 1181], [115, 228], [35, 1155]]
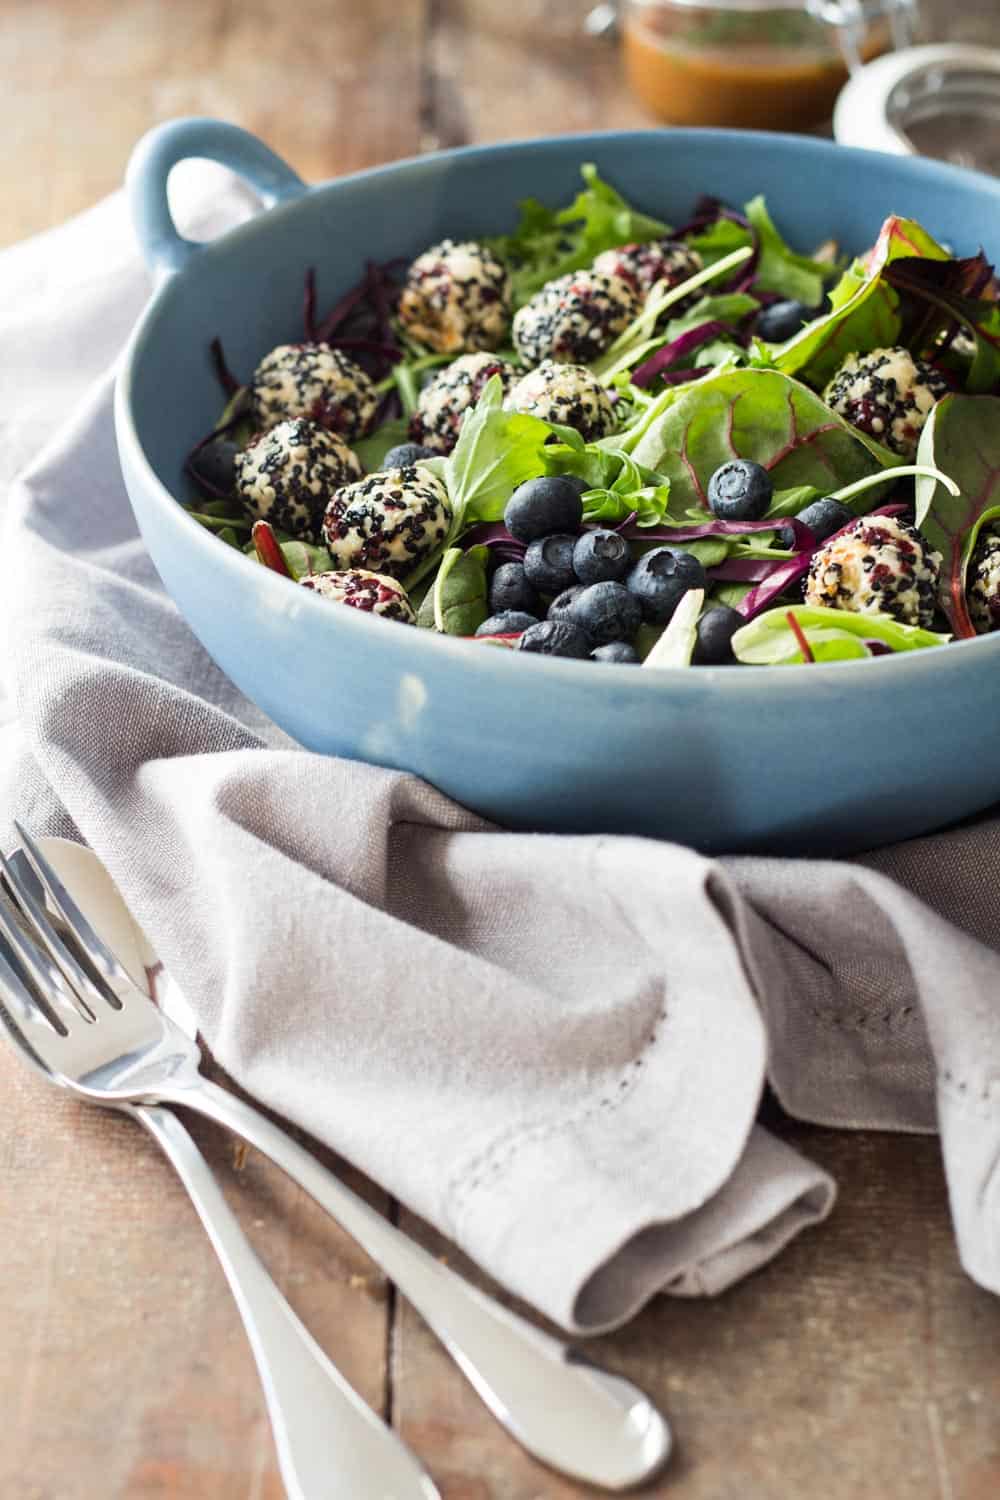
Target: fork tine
[[76, 977], [28, 1022], [96, 950], [43, 973]]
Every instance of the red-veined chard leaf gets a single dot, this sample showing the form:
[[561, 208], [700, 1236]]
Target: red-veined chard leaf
[[758, 414], [864, 307], [961, 438], [831, 634]]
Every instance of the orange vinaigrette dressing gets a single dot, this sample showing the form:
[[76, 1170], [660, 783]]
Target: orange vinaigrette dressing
[[751, 84]]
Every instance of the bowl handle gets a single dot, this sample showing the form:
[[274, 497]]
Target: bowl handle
[[159, 151]]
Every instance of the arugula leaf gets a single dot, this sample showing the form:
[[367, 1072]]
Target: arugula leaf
[[548, 243], [758, 414], [961, 437], [779, 268], [832, 634], [456, 602], [864, 307], [496, 451]]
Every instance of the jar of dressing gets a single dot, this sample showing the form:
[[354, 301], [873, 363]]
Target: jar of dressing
[[759, 64]]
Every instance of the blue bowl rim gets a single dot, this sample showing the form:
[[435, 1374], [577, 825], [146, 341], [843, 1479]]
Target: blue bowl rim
[[354, 624]]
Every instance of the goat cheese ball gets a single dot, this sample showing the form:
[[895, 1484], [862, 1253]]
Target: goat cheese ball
[[387, 521], [456, 297], [444, 401], [982, 584], [574, 318], [568, 394], [374, 593], [314, 381], [288, 475], [887, 394], [642, 266], [879, 565]]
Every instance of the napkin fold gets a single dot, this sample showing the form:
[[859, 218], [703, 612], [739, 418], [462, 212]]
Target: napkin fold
[[551, 1047]]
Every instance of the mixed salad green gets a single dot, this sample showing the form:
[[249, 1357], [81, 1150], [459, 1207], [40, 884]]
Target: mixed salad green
[[744, 398]]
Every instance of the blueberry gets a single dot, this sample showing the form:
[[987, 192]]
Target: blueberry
[[782, 320], [509, 622], [548, 563], [580, 485], [660, 579], [215, 464], [560, 607], [619, 651], [541, 506], [716, 628], [601, 557], [824, 517], [404, 455], [509, 589], [607, 612], [740, 491], [556, 638]]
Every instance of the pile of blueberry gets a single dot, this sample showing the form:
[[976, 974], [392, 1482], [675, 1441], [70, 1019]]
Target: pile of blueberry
[[582, 593]]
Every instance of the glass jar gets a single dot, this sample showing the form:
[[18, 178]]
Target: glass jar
[[762, 64]]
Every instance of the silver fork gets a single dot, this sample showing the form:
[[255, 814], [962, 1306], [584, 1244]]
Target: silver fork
[[112, 1045], [328, 1440]]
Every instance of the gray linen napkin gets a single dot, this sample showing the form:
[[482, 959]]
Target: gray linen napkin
[[553, 1048]]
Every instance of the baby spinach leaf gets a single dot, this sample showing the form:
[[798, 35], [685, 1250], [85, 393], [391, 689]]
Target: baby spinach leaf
[[758, 414], [864, 307], [551, 242], [455, 604], [496, 451], [832, 634], [961, 437]]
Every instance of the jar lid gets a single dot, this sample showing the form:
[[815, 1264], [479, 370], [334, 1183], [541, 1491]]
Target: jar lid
[[939, 101]]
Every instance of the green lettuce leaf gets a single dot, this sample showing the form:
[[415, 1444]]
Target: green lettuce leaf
[[833, 635], [675, 646], [961, 437], [618, 485], [551, 242], [372, 449], [757, 414]]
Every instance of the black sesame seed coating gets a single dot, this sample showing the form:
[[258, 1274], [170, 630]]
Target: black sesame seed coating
[[387, 521], [314, 381], [288, 476]]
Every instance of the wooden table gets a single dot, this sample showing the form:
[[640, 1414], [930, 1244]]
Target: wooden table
[[861, 1365]]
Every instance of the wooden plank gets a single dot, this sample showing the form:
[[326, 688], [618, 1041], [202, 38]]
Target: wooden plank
[[332, 86], [862, 1364], [125, 1369]]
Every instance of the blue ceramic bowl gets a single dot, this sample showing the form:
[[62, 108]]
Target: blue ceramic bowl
[[820, 758]]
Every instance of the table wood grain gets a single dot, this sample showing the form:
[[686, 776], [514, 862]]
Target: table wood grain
[[861, 1365]]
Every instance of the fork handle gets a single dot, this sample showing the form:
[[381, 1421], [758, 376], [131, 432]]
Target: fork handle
[[592, 1425], [329, 1442]]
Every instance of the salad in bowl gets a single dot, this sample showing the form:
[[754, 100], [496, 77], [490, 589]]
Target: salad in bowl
[[608, 438]]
